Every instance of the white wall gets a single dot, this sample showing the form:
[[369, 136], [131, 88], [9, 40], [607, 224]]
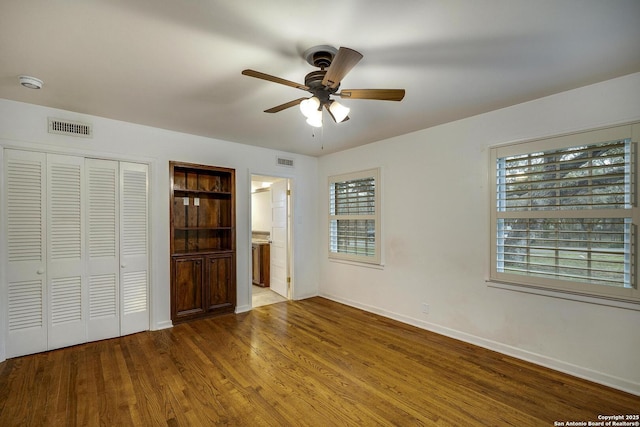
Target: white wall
[[435, 220], [25, 126]]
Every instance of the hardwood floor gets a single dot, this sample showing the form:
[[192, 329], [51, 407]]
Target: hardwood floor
[[311, 362]]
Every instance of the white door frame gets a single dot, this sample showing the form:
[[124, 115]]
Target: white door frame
[[290, 231]]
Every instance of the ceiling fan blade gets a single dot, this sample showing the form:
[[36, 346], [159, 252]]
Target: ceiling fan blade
[[379, 94], [270, 78], [285, 105], [341, 64]]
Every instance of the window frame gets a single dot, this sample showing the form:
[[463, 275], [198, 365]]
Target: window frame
[[374, 173], [631, 132]]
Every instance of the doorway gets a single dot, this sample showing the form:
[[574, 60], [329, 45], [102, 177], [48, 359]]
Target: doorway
[[270, 240]]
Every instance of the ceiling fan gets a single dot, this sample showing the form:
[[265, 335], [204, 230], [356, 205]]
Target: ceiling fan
[[334, 64]]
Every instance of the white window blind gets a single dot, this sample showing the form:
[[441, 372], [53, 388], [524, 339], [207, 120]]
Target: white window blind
[[353, 216], [564, 216]]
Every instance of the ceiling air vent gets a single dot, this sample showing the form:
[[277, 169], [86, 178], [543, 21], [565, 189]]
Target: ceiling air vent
[[282, 161], [66, 127]]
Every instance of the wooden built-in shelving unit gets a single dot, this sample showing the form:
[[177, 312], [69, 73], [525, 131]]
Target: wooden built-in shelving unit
[[202, 240]]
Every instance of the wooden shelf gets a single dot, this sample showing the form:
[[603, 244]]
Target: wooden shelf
[[203, 252], [202, 228], [202, 192]]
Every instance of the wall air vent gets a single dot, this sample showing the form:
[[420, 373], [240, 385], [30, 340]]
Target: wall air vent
[[282, 161], [66, 127]]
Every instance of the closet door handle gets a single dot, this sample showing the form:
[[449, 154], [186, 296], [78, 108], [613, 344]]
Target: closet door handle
[[40, 271], [123, 265]]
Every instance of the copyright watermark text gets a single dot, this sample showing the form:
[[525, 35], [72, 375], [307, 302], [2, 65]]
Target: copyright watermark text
[[626, 420]]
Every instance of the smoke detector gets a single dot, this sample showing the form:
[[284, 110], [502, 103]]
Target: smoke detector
[[30, 82]]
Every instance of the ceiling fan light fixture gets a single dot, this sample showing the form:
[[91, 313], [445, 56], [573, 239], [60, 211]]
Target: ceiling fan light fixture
[[308, 106], [315, 119], [338, 111]]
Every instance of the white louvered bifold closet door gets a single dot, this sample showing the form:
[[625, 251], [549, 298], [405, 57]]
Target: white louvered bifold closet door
[[103, 249], [76, 250], [25, 231], [65, 251], [134, 249]]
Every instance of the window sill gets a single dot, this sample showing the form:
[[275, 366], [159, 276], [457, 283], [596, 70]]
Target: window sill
[[590, 299], [357, 263]]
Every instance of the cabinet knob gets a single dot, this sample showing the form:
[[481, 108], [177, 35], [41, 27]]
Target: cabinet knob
[[40, 271], [123, 265]]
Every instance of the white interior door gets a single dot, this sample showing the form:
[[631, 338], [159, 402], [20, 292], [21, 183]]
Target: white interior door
[[66, 290], [278, 263], [103, 248], [134, 249], [25, 234]]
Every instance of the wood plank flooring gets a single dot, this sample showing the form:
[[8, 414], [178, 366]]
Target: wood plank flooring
[[304, 363]]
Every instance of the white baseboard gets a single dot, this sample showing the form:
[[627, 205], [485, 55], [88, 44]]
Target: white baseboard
[[243, 308], [305, 296], [539, 359], [165, 324]]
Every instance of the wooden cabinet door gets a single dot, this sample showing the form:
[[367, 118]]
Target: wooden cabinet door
[[220, 284], [255, 264], [265, 268], [260, 264], [188, 296]]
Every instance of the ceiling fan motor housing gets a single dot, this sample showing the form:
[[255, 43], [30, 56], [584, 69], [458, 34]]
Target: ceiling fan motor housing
[[314, 81]]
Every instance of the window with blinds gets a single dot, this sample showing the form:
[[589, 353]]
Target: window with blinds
[[354, 217], [564, 215]]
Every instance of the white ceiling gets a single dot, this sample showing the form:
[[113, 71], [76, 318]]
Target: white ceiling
[[176, 64]]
